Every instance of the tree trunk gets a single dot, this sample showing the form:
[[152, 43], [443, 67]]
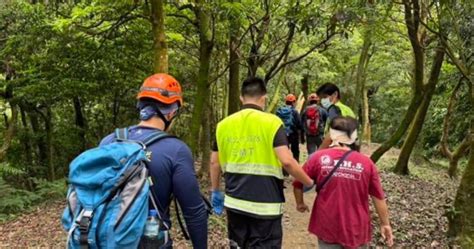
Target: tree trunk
[[366, 131], [48, 125], [26, 141], [225, 99], [305, 88], [254, 60], [205, 51], [416, 35], [160, 48], [453, 157], [361, 69], [402, 164], [38, 136], [276, 96], [461, 218], [10, 124], [456, 156], [81, 122], [234, 66], [205, 144], [9, 133], [116, 109]]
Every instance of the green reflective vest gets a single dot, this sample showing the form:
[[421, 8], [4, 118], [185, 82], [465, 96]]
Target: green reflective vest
[[251, 167], [346, 111]]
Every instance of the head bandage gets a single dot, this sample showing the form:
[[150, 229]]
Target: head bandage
[[340, 137]]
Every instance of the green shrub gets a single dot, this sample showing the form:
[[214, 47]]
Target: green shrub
[[14, 200]]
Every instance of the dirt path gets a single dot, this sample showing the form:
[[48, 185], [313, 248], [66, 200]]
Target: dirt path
[[295, 224], [418, 219]]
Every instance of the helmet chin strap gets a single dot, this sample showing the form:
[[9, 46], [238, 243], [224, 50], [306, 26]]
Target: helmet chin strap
[[149, 110], [162, 117]]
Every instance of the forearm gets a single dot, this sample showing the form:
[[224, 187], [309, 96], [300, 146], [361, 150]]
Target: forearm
[[216, 172], [297, 172], [382, 211], [298, 195]]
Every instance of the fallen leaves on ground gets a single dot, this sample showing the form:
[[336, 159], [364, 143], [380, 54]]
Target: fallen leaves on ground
[[417, 209]]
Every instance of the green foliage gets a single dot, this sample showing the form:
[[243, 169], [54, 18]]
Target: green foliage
[[14, 201], [8, 170]]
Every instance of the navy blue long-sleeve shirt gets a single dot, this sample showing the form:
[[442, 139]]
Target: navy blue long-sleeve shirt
[[172, 167]]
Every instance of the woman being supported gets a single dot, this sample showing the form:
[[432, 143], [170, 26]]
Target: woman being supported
[[340, 216]]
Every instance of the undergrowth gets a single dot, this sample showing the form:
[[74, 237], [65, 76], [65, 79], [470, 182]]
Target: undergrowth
[[14, 201]]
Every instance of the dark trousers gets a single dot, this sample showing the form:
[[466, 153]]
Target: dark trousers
[[249, 232], [313, 143], [294, 143]]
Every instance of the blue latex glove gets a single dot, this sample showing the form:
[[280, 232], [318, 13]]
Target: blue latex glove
[[217, 199]]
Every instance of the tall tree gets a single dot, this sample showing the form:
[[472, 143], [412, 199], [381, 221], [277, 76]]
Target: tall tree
[[234, 59], [416, 34], [417, 124], [453, 155], [203, 14], [461, 218], [160, 48]]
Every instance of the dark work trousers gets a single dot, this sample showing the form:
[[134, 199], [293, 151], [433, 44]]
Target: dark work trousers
[[294, 143], [313, 143], [249, 232]]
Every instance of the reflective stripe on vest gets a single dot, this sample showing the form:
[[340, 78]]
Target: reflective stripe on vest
[[258, 208], [245, 143], [253, 169]]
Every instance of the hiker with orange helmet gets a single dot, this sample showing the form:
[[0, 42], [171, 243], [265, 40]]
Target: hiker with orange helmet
[[313, 120], [292, 121], [171, 166]]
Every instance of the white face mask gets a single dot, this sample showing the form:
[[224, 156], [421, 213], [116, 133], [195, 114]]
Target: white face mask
[[326, 103]]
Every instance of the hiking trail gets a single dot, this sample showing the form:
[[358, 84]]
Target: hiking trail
[[417, 218]]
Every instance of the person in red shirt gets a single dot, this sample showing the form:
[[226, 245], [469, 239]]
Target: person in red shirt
[[340, 217]]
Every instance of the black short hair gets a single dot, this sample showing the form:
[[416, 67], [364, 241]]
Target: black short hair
[[328, 89], [253, 87], [347, 125], [313, 102]]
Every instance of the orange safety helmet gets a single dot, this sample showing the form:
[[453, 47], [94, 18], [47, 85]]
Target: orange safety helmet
[[290, 98], [163, 88], [313, 97]]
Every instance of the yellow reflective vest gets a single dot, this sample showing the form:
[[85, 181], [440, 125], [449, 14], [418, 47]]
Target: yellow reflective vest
[[253, 174], [346, 111]]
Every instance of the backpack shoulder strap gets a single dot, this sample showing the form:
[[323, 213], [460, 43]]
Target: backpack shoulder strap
[[325, 180], [155, 137], [121, 134]]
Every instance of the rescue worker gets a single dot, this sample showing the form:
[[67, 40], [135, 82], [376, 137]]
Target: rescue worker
[[330, 96], [313, 120], [252, 151], [159, 101], [292, 122]]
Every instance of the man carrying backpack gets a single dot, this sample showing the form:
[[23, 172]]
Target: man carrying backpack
[[171, 165], [292, 121], [330, 96], [313, 120]]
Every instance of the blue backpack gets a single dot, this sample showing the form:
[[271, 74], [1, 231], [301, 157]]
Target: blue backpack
[[109, 194], [286, 115]]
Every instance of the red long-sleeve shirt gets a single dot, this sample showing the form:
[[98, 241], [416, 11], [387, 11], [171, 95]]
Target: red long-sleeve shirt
[[340, 213]]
